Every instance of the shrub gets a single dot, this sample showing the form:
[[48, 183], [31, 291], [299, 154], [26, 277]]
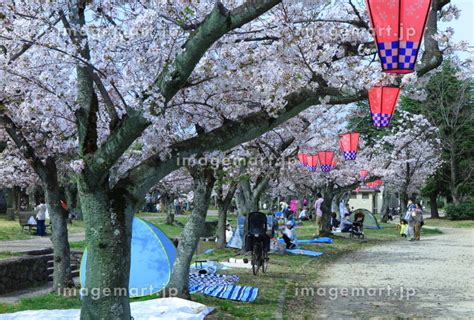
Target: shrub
[[462, 211], [440, 204]]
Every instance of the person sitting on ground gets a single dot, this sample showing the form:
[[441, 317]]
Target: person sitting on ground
[[346, 224], [228, 232], [334, 222], [289, 235], [290, 215], [304, 215]]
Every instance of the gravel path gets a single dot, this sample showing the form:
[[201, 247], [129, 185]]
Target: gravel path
[[431, 278]]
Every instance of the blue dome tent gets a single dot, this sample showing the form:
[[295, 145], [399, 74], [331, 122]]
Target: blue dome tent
[[153, 256]]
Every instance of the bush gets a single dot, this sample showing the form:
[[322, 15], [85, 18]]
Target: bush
[[462, 211], [440, 204]]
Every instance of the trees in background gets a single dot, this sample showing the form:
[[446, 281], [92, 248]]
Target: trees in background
[[413, 154], [449, 105]]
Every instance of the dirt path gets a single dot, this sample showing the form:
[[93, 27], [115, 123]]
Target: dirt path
[[431, 278], [34, 244]]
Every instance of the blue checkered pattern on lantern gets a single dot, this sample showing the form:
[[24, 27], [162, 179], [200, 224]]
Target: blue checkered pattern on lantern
[[326, 167], [388, 52], [350, 155], [312, 169], [398, 54], [407, 54], [381, 119]]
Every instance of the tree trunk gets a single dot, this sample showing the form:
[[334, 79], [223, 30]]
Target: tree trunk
[[221, 227], [434, 205], [403, 202], [453, 178], [108, 218], [223, 204], [385, 204], [10, 199], [326, 208], [203, 184], [167, 200], [61, 251]]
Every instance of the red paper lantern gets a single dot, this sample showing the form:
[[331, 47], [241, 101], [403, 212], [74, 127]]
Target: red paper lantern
[[374, 184], [325, 160], [308, 161], [363, 174], [382, 101], [333, 164], [349, 144], [302, 157], [398, 28], [312, 162]]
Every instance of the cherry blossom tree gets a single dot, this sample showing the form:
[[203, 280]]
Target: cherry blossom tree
[[414, 154], [182, 79]]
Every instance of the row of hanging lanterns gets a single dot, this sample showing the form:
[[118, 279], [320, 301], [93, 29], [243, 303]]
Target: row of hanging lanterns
[[398, 28], [374, 184], [325, 159], [348, 142]]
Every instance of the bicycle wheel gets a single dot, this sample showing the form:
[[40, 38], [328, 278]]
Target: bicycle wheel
[[255, 259], [265, 261]]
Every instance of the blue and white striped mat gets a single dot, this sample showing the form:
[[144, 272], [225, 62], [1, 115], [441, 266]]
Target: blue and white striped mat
[[221, 286]]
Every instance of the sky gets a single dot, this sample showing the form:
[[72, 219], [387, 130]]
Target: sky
[[464, 26]]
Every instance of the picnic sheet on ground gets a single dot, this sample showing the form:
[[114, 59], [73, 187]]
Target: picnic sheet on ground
[[236, 265], [205, 267], [221, 286], [304, 252], [165, 308], [316, 240]]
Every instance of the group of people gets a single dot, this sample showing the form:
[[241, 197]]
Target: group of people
[[411, 224], [289, 232]]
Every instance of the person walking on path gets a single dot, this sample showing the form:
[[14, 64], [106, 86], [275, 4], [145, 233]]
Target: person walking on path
[[409, 218], [40, 211], [418, 220], [319, 214]]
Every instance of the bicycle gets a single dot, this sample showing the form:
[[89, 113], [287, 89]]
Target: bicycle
[[259, 257]]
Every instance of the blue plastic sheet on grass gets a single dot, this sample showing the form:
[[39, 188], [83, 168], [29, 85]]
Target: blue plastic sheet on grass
[[304, 252], [317, 240]]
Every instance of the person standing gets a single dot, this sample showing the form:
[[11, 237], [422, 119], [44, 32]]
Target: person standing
[[319, 213], [409, 218], [418, 220], [177, 206], [40, 211]]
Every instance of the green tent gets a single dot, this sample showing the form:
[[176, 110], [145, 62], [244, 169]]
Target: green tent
[[370, 221]]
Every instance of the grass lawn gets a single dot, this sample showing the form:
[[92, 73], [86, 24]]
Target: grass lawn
[[285, 274], [11, 230], [6, 255], [443, 222]]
